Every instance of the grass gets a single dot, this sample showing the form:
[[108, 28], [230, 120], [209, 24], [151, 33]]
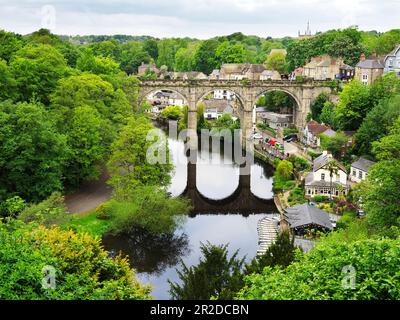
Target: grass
[[89, 223]]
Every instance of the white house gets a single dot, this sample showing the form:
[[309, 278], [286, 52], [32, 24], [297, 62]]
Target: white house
[[175, 99], [392, 61], [216, 108], [359, 169], [224, 94], [318, 182], [311, 133]]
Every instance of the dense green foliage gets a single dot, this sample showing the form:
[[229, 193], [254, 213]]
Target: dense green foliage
[[320, 274], [148, 208], [130, 164], [32, 152], [83, 269]]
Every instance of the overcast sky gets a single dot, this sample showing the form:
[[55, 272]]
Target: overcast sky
[[196, 18]]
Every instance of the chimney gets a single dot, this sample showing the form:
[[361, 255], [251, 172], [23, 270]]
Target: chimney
[[362, 58]]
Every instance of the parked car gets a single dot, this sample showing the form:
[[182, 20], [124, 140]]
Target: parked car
[[291, 137], [257, 136]]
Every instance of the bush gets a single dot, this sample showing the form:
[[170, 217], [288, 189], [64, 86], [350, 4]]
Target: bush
[[297, 196], [149, 208], [287, 131], [51, 211], [104, 211], [299, 163], [172, 113], [82, 268], [320, 198], [12, 206], [313, 154], [320, 274], [344, 221]]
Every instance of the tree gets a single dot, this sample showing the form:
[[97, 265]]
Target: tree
[[167, 49], [129, 166], [388, 147], [205, 57], [89, 90], [132, 56], [7, 83], [333, 169], [317, 106], [285, 169], [9, 44], [37, 70], [276, 61], [280, 253], [151, 47], [88, 62], [326, 273], [88, 142], [334, 144], [230, 53], [376, 125], [172, 112], [328, 115], [345, 47], [216, 275], [109, 49], [353, 106], [32, 152], [82, 268], [184, 57]]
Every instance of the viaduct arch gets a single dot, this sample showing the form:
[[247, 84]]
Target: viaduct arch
[[246, 91]]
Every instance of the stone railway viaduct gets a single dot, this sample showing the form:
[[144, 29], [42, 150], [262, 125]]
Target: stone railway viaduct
[[247, 93]]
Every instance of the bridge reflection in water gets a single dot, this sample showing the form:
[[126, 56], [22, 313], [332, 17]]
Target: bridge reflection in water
[[242, 201]]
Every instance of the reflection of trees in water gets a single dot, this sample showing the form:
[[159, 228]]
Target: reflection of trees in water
[[148, 252]]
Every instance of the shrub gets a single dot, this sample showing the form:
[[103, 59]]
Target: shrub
[[172, 112], [287, 131], [51, 211], [344, 221], [83, 269], [12, 206], [313, 154], [321, 198], [149, 208], [104, 211], [319, 274], [297, 196]]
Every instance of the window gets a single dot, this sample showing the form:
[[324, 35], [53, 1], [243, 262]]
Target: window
[[360, 174], [390, 63], [364, 78], [322, 176], [354, 173]]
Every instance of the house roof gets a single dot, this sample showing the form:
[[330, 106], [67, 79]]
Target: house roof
[[277, 117], [362, 164], [370, 64], [394, 52], [220, 105], [316, 128], [309, 181], [324, 159], [304, 214], [346, 67], [329, 132]]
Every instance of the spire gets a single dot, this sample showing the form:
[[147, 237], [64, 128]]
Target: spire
[[308, 32]]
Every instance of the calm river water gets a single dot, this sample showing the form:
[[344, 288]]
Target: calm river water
[[226, 211]]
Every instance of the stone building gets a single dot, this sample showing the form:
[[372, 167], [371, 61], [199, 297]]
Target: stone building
[[368, 70], [323, 68]]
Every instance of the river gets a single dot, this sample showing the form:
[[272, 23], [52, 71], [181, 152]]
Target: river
[[227, 207]]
